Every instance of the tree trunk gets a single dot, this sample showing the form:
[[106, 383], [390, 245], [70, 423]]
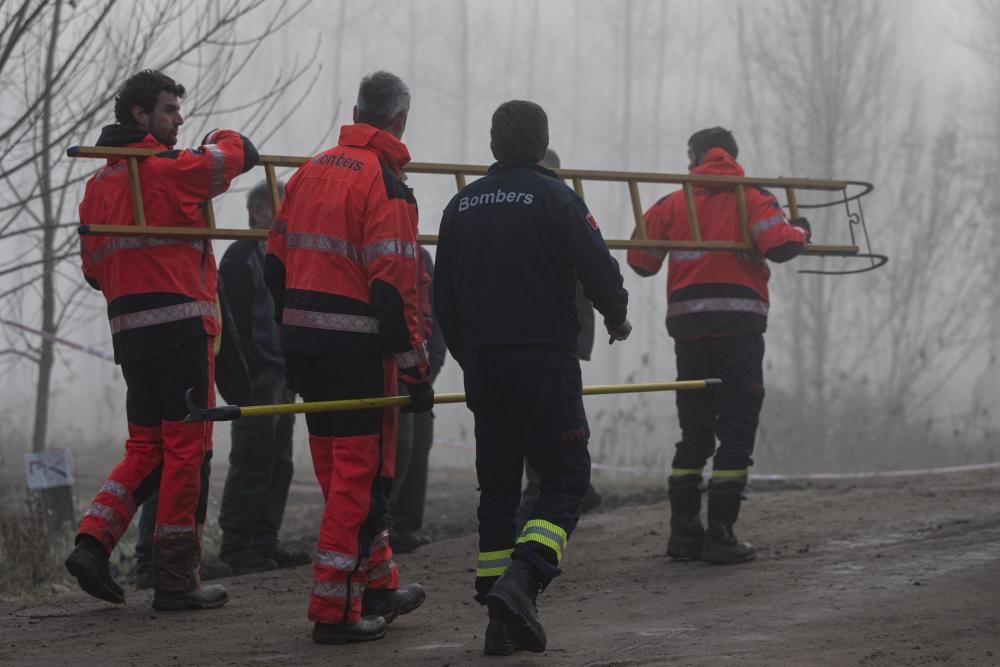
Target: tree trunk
[[40, 433]]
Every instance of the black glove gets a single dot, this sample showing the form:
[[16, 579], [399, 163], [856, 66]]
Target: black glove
[[421, 397], [802, 223]]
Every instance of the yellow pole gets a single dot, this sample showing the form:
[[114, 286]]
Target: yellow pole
[[231, 412]]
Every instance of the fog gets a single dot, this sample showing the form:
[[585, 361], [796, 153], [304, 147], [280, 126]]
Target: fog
[[890, 369]]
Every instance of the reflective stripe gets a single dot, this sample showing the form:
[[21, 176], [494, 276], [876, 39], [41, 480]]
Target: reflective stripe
[[336, 591], [729, 474], [686, 255], [719, 304], [336, 561], [117, 489], [546, 533], [330, 321], [325, 243], [381, 571], [98, 255], [686, 472], [412, 358], [386, 247], [493, 563], [108, 516], [154, 316], [380, 541], [164, 529], [761, 226], [218, 169]]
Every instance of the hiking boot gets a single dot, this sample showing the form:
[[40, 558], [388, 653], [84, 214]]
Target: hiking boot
[[512, 599], [284, 557], [214, 568], [390, 604], [721, 546], [405, 542], [206, 596], [687, 534], [248, 561], [143, 574], [365, 630], [498, 640], [88, 562], [591, 501]]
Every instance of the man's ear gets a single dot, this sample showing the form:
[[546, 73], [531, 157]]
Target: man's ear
[[399, 123], [140, 116], [355, 115]]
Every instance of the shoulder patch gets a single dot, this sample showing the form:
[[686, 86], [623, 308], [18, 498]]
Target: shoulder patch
[[395, 188], [592, 220]]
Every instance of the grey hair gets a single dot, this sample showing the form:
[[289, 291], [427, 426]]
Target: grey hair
[[260, 195], [381, 97]]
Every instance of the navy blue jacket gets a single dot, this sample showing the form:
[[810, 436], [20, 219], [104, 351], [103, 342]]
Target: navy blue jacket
[[510, 249]]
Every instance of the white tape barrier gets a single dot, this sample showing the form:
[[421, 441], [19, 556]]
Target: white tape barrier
[[776, 478]]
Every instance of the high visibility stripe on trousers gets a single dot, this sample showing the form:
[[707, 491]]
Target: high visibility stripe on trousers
[[545, 533], [493, 563]]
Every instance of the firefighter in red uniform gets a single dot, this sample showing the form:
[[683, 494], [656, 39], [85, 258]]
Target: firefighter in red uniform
[[717, 306], [161, 302], [342, 267]]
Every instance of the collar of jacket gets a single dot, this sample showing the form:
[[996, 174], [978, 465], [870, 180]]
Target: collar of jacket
[[122, 136], [510, 165], [363, 135]]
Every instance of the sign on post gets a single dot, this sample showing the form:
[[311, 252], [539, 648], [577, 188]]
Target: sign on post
[[49, 469]]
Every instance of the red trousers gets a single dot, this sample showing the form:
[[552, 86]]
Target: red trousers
[[161, 452], [353, 456]]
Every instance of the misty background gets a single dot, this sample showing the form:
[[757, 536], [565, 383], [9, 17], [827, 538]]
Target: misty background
[[891, 369]]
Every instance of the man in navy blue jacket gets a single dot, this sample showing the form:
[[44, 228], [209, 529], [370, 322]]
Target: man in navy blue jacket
[[511, 247]]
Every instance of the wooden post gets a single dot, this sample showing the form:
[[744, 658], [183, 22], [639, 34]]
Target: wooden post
[[741, 204], [793, 204], [640, 224], [133, 181], [272, 187], [460, 180], [692, 215]]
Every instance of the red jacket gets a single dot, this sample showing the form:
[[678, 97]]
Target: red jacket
[[718, 293], [342, 254], [160, 292]]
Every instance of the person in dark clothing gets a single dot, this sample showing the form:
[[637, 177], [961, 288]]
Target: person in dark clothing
[[511, 247], [252, 365], [717, 305], [416, 434], [584, 348]]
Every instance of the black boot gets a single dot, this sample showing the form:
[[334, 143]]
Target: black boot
[[498, 639], [283, 556], [89, 564], [206, 596], [365, 630], [512, 600], [721, 546], [390, 604], [248, 561], [687, 534]]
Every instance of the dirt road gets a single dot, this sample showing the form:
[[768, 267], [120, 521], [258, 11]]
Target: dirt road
[[902, 571]]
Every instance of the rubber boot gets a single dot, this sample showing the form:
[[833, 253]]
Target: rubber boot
[[513, 600], [498, 639], [365, 630], [89, 564], [391, 604], [721, 546], [205, 596], [687, 534]]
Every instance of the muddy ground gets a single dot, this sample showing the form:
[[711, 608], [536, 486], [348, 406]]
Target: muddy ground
[[897, 571]]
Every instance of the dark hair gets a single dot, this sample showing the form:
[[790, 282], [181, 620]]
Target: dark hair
[[260, 195], [143, 88], [381, 97], [714, 137], [520, 131]]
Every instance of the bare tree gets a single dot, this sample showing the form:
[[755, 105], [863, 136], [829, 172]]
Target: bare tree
[[825, 103], [60, 65]]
